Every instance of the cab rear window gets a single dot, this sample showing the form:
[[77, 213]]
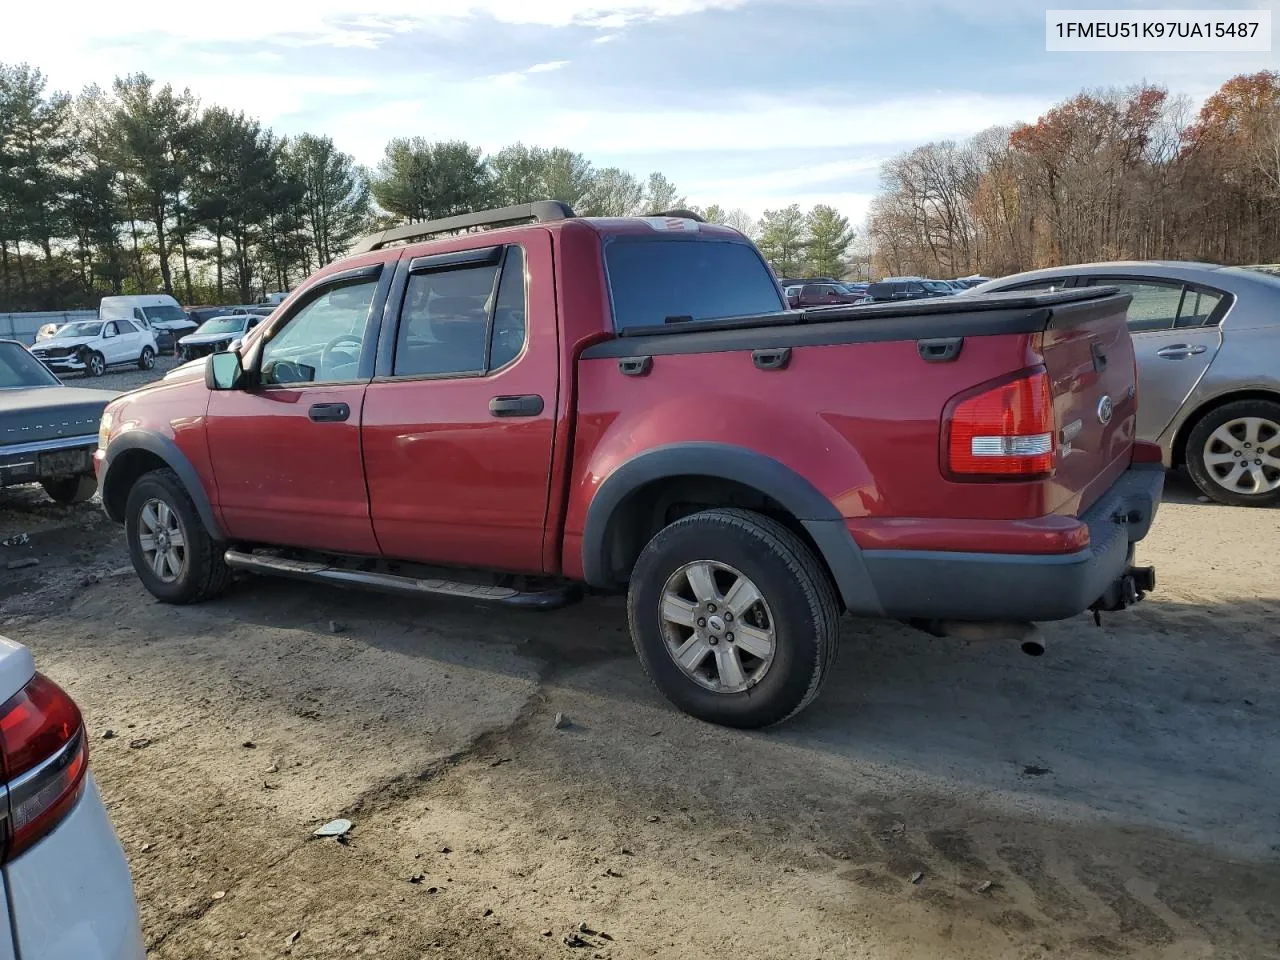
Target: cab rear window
[[653, 280]]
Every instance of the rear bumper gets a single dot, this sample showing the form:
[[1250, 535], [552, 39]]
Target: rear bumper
[[40, 459], [911, 584]]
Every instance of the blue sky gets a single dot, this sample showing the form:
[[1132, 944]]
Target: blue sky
[[747, 103]]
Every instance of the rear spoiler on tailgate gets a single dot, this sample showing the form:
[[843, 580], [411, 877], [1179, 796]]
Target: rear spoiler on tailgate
[[1014, 312]]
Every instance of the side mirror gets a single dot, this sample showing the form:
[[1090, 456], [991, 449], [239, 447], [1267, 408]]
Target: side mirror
[[223, 371], [234, 345]]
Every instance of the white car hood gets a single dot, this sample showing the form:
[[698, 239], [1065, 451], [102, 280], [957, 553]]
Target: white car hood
[[66, 341], [195, 339]]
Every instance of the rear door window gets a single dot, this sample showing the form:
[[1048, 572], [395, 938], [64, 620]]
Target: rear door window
[[466, 321], [1155, 302], [652, 280], [1198, 306]]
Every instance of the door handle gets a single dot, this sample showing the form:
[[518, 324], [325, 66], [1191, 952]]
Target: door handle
[[771, 359], [529, 405], [329, 412], [1180, 351]]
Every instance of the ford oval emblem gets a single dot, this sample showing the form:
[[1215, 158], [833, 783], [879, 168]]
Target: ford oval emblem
[[1105, 410]]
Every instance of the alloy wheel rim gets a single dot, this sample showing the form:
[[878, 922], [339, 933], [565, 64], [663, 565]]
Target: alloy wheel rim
[[717, 626], [1243, 456], [162, 540]]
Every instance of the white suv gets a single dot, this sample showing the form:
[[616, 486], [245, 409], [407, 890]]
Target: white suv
[[90, 346], [66, 883]]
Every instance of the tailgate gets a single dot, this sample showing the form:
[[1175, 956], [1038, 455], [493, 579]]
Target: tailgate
[[1089, 355]]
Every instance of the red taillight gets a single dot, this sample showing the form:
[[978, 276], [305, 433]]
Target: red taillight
[[44, 757], [1003, 430]]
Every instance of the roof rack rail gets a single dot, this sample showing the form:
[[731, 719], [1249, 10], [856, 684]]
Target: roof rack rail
[[540, 211], [681, 213]]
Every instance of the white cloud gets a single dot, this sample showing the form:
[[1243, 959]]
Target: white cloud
[[86, 24], [548, 66], [498, 111]]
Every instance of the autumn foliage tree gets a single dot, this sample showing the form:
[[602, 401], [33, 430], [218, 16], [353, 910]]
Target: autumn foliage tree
[[1112, 174]]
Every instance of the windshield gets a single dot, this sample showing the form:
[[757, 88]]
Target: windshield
[[652, 280], [20, 369], [166, 311], [86, 328], [222, 325]]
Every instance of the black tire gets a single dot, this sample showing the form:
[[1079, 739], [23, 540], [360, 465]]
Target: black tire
[[95, 364], [69, 490], [204, 573], [801, 600], [147, 359], [1266, 441]]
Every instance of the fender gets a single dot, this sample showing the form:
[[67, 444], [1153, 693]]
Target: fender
[[798, 496], [166, 450]]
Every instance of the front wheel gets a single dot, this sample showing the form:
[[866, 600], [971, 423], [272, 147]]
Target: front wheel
[[1233, 453], [172, 552], [95, 364], [734, 618], [147, 359], [69, 490]]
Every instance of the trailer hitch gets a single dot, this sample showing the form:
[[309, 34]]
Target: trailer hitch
[[1132, 586]]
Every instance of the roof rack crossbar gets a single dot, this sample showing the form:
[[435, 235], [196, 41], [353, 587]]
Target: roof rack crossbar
[[681, 214], [540, 211]]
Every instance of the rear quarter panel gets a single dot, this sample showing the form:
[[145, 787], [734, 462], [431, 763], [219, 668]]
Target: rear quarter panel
[[859, 421]]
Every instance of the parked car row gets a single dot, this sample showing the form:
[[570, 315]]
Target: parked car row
[[823, 291], [135, 329]]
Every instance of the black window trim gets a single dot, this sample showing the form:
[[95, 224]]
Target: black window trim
[[439, 262], [389, 338], [1214, 319], [308, 296]]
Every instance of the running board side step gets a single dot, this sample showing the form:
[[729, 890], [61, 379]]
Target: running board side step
[[550, 599]]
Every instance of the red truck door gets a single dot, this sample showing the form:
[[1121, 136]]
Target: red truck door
[[459, 423], [286, 454]]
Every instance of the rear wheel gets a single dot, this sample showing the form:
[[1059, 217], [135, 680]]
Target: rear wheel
[[733, 617], [1233, 453], [69, 490], [172, 552], [147, 360]]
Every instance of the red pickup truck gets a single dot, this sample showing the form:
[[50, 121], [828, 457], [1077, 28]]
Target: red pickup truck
[[532, 401]]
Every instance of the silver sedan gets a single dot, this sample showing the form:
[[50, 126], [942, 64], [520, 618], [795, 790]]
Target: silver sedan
[[1207, 339]]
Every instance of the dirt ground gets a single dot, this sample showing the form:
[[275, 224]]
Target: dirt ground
[[1119, 797]]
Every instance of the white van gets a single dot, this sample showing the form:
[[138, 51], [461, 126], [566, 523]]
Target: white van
[[157, 311]]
